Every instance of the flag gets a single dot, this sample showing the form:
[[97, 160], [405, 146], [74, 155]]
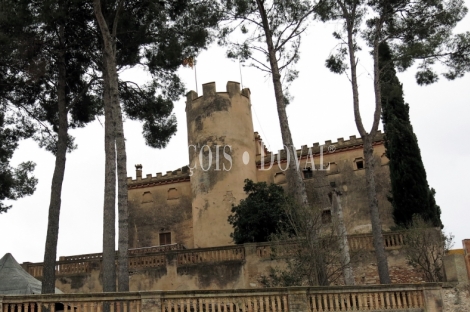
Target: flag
[[189, 61]]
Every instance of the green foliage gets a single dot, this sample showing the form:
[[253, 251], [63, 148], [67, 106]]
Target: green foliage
[[418, 32], [458, 60], [159, 36], [261, 214], [29, 66], [14, 182], [410, 191], [336, 64], [244, 35]]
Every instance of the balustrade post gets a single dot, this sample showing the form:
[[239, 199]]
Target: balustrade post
[[433, 298], [151, 302], [297, 300], [1, 303]]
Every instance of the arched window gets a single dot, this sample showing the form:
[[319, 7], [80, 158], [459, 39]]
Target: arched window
[[280, 178], [147, 198], [173, 193]]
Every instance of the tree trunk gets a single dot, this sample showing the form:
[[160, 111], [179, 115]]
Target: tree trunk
[[337, 211], [110, 57], [109, 208], [123, 244], [296, 184], [382, 263], [50, 253], [368, 138]]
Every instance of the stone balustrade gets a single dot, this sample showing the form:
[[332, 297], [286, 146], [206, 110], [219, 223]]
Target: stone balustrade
[[156, 256], [82, 257], [405, 297], [272, 301], [356, 242], [215, 254], [153, 249], [144, 262], [365, 241], [366, 300]]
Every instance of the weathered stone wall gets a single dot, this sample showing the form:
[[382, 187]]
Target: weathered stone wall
[[343, 174], [456, 298], [405, 298], [221, 156], [229, 267], [156, 208], [220, 125], [365, 268]]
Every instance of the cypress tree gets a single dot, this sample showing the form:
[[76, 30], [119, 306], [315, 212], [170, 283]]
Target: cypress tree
[[411, 194]]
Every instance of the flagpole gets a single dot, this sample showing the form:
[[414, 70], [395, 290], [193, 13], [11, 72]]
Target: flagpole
[[195, 75]]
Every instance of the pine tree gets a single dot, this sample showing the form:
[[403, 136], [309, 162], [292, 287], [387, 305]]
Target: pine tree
[[410, 191], [159, 36], [417, 31], [272, 33]]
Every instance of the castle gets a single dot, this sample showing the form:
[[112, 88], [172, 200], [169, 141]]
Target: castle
[[181, 255], [190, 206], [179, 234]]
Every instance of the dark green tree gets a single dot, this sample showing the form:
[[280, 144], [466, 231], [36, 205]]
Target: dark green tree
[[14, 182], [261, 214], [417, 30], [410, 191], [47, 72]]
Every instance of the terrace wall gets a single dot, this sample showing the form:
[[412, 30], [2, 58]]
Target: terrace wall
[[227, 267]]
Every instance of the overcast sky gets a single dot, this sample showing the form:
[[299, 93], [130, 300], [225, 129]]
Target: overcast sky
[[321, 110]]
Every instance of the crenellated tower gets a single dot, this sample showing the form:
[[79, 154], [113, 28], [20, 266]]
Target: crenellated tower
[[222, 155]]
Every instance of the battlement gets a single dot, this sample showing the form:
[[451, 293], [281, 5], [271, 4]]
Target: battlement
[[179, 175], [209, 90], [340, 145]]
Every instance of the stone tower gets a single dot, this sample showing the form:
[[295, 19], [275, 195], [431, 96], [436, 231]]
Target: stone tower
[[222, 152]]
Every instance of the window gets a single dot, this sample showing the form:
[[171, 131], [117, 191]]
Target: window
[[326, 216], [165, 238], [147, 198], [308, 173], [359, 163], [173, 193], [279, 178]]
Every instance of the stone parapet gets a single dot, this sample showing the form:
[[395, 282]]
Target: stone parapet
[[180, 175], [140, 258], [316, 149], [424, 297]]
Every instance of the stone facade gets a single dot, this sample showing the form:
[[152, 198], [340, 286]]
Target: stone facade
[[228, 267], [191, 205]]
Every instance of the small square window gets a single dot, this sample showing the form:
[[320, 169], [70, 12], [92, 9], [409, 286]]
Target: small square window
[[360, 164], [165, 238], [308, 173], [326, 216]]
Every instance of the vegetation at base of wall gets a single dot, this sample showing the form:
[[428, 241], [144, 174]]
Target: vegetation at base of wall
[[261, 214], [305, 244], [300, 263], [425, 246]]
